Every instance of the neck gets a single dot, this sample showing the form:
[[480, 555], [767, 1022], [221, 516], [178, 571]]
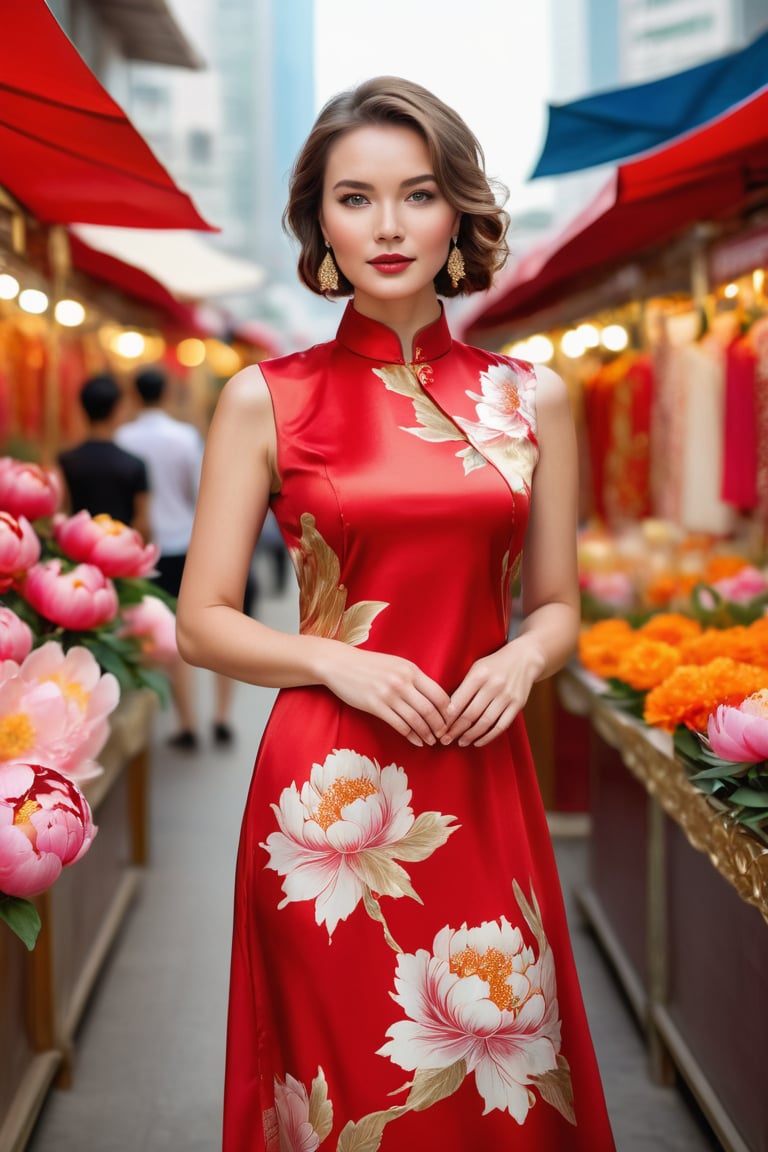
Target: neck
[[101, 430], [405, 317]]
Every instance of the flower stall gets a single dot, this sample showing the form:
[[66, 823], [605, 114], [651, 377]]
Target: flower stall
[[84, 635], [677, 703]]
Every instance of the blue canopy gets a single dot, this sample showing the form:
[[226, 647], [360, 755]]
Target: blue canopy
[[624, 122]]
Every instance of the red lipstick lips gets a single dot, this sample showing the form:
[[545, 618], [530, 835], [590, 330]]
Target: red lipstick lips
[[393, 262]]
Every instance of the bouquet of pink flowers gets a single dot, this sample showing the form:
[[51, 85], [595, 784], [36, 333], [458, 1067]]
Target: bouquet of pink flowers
[[80, 620], [79, 580]]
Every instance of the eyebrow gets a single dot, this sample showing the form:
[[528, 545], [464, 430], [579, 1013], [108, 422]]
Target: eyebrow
[[363, 187]]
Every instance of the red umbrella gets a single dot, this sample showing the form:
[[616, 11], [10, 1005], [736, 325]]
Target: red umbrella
[[68, 152], [714, 173]]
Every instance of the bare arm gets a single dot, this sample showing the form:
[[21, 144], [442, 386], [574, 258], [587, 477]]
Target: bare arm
[[141, 522], [239, 473], [497, 687]]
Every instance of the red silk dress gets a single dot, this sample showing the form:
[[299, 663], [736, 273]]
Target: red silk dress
[[402, 976]]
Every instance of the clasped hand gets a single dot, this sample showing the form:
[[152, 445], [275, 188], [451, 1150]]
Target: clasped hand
[[396, 690]]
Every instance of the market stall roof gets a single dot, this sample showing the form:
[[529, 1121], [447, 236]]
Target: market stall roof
[[148, 30], [185, 263], [715, 173], [68, 152], [627, 121], [134, 283]]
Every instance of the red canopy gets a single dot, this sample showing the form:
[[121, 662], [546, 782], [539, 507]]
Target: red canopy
[[711, 174], [134, 283], [68, 152]]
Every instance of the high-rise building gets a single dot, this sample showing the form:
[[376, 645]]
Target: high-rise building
[[658, 37], [229, 135]]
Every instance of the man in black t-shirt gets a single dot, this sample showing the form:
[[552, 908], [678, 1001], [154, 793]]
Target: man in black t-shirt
[[99, 475]]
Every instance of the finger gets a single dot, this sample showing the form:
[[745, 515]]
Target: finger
[[434, 693], [487, 730], [401, 725], [469, 715]]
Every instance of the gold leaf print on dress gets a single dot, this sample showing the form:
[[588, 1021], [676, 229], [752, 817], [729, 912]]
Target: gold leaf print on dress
[[322, 598], [500, 436], [433, 424]]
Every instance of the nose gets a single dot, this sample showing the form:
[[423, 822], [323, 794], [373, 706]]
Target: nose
[[388, 224]]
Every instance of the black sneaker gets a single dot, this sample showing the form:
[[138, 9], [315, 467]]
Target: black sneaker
[[184, 741], [222, 734]]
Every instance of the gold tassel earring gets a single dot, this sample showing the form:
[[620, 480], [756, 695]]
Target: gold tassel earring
[[328, 273], [455, 266]]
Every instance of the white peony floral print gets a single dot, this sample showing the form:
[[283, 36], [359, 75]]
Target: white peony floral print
[[341, 836], [483, 1001]]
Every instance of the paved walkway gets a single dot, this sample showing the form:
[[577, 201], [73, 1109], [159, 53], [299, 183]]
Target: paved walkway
[[150, 1051]]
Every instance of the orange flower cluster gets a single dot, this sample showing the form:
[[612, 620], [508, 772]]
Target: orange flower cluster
[[694, 691], [748, 645], [687, 671], [677, 587], [601, 646]]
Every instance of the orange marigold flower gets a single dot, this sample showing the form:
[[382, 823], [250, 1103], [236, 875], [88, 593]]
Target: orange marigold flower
[[694, 691], [646, 663], [712, 642], [722, 567], [671, 627], [601, 645]]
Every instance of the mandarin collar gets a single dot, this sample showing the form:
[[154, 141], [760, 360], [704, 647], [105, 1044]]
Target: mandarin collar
[[375, 341]]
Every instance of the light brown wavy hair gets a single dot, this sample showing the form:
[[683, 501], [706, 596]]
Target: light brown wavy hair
[[458, 164]]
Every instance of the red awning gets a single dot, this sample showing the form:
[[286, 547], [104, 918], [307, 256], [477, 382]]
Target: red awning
[[712, 174], [68, 152], [134, 283]]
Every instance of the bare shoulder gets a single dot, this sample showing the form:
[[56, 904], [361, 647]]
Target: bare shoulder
[[551, 390], [246, 395]]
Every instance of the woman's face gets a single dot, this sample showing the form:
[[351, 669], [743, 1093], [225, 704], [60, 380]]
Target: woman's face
[[382, 212]]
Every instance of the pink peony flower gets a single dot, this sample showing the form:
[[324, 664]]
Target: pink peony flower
[[38, 724], [15, 636], [27, 489], [741, 734], [19, 548], [109, 544], [506, 406], [90, 697], [481, 996], [614, 588], [154, 624], [79, 600], [340, 837], [45, 825], [748, 583]]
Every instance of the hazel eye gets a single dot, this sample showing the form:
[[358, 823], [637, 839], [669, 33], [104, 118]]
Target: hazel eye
[[421, 196], [354, 200]]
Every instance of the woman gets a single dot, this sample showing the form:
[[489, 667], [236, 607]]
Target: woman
[[401, 972]]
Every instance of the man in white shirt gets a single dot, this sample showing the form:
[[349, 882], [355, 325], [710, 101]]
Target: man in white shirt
[[172, 451]]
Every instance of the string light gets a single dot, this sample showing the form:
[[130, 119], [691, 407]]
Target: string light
[[758, 280], [34, 301], [731, 291], [128, 344], [540, 349], [9, 287], [190, 352], [590, 336], [69, 313], [572, 344], [614, 338]]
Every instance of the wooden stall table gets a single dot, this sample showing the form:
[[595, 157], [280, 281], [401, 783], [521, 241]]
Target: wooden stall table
[[43, 993], [678, 897]]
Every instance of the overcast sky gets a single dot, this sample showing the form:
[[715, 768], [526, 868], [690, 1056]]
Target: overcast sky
[[489, 59]]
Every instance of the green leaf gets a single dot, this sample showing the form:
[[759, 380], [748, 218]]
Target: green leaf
[[22, 917], [750, 798]]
